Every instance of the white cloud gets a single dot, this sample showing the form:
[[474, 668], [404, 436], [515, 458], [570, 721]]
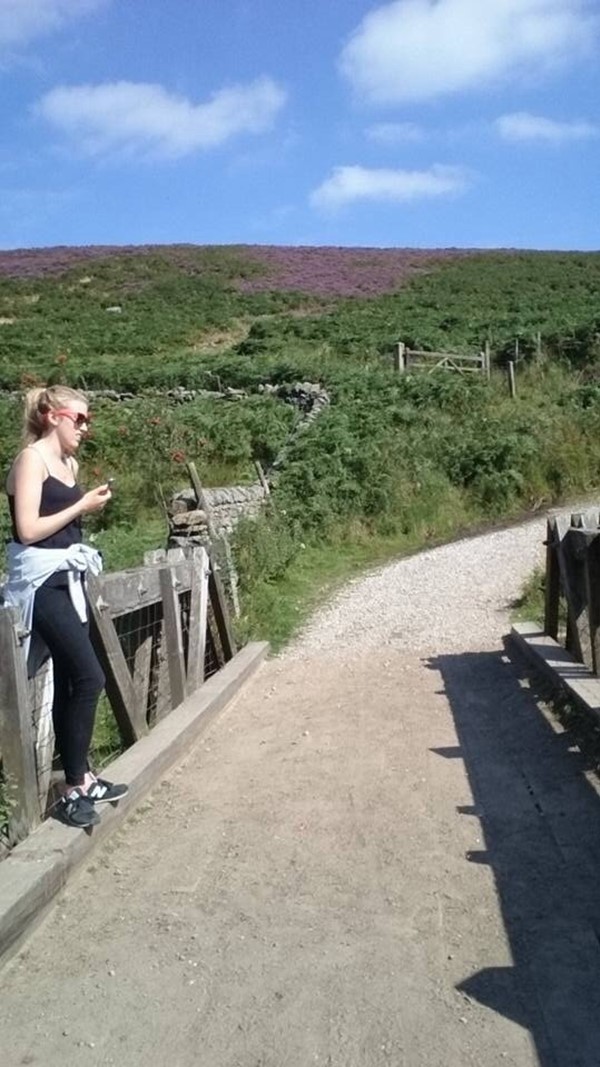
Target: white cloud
[[412, 50], [395, 133], [127, 118], [349, 184], [23, 20], [521, 126]]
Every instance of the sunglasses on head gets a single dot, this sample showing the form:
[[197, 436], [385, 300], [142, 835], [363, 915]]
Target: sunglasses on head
[[77, 417]]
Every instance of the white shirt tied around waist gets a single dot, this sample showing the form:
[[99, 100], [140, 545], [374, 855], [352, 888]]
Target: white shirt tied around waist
[[29, 567]]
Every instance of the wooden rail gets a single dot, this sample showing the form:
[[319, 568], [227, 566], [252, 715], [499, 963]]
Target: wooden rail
[[158, 630]]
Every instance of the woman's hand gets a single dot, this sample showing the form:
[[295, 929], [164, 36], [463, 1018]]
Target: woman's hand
[[95, 499]]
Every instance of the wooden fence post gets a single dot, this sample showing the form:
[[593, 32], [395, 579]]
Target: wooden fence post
[[512, 385], [592, 577], [552, 591], [173, 636], [573, 582], [400, 358], [488, 360], [198, 619], [16, 732]]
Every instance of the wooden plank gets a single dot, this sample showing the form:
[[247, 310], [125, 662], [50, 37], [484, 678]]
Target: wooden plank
[[16, 733], [592, 578], [572, 573], [197, 623], [585, 520], [156, 555], [175, 555], [552, 590], [219, 605], [575, 678], [127, 591], [141, 677], [467, 357], [119, 683], [173, 637]]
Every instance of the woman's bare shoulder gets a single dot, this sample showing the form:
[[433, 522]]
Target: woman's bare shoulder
[[28, 462]]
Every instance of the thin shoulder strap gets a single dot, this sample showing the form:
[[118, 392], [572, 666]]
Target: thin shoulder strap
[[40, 454]]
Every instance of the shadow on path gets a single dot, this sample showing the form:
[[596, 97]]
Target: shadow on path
[[540, 821]]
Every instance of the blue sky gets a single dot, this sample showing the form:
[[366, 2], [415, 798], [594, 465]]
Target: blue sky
[[421, 123]]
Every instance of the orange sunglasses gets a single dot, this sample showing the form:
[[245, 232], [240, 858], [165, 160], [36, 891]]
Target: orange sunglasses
[[77, 417]]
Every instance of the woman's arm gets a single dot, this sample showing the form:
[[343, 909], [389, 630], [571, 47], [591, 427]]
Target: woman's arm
[[25, 481]]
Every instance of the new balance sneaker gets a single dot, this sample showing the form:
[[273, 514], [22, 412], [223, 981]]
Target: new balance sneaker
[[103, 792], [76, 809]]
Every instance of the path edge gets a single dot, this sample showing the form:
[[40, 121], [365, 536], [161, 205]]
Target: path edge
[[567, 675], [38, 868]]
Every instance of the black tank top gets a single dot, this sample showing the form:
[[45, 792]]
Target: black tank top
[[56, 496]]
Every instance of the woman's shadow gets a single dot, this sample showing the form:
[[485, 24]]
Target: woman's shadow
[[535, 792]]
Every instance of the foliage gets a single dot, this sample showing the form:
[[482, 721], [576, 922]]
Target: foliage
[[394, 462]]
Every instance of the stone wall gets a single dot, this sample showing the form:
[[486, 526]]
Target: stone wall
[[188, 523]]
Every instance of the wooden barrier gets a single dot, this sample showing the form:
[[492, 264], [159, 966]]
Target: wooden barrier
[[573, 585], [407, 359], [159, 631]]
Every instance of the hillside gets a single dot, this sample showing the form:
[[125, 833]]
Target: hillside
[[394, 463]]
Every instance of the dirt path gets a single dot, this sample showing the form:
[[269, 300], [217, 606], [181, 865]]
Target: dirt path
[[374, 858]]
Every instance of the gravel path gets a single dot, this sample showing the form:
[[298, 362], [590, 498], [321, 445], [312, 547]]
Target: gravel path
[[456, 597]]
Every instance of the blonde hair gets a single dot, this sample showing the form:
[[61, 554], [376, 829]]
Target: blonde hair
[[41, 400]]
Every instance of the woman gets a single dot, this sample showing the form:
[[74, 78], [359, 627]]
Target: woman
[[47, 562]]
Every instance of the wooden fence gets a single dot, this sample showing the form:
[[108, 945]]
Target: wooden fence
[[572, 604], [159, 631], [407, 359]]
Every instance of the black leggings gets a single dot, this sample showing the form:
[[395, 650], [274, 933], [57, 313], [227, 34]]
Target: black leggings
[[78, 677]]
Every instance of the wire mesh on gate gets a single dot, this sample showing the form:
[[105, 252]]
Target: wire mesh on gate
[[41, 691], [212, 662], [142, 640]]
